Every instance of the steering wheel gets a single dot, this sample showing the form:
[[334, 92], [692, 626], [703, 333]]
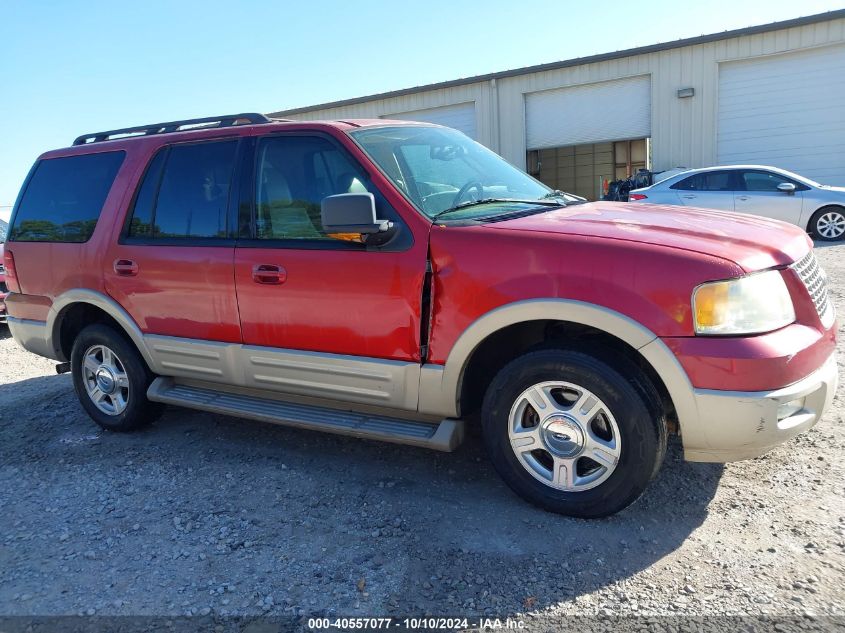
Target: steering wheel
[[472, 184]]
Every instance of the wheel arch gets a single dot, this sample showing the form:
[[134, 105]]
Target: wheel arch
[[815, 212], [79, 304], [442, 388]]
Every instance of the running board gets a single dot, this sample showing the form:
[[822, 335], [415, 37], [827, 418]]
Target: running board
[[443, 436]]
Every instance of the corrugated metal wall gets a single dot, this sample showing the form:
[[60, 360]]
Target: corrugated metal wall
[[683, 130]]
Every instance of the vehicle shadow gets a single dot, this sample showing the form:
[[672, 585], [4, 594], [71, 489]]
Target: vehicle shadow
[[4, 332], [324, 524]]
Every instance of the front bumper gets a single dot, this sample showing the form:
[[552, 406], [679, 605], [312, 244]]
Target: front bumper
[[743, 424]]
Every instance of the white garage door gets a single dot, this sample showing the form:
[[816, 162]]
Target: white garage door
[[787, 111], [460, 116], [607, 111]]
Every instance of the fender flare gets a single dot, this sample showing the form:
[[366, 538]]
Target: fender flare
[[98, 300], [440, 385]]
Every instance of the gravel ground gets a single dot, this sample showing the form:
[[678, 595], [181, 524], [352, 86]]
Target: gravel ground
[[212, 515]]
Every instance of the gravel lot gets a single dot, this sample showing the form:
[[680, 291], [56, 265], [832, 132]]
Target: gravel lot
[[206, 514]]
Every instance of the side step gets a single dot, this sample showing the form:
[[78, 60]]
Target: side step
[[443, 436]]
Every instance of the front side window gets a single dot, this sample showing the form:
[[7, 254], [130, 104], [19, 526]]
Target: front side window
[[64, 197], [185, 192], [765, 181], [440, 169], [293, 175]]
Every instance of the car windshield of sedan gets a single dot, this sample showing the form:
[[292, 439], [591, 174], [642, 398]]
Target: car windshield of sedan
[[443, 171]]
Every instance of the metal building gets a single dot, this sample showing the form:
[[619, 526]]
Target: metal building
[[772, 94]]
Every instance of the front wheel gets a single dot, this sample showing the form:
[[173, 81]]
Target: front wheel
[[111, 380], [573, 433], [828, 224]]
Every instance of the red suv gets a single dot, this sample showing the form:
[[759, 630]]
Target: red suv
[[389, 280]]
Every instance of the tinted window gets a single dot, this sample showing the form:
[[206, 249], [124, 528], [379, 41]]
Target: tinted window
[[185, 193], [64, 198], [707, 181], [293, 176], [763, 181], [142, 214]]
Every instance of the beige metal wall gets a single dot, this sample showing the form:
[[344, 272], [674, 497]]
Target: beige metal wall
[[683, 130]]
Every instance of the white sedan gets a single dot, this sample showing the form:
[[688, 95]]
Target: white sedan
[[767, 191]]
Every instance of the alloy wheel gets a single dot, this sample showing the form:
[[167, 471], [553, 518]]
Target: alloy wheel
[[564, 436], [831, 225], [105, 380]]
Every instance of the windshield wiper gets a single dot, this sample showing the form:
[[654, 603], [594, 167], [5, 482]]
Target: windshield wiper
[[557, 193], [472, 203]]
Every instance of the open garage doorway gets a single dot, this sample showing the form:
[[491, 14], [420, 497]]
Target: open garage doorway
[[586, 169]]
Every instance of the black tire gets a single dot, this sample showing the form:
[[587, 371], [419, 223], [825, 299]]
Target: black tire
[[632, 401], [139, 411], [824, 215]]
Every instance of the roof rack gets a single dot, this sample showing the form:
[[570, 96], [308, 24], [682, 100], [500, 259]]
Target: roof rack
[[227, 120]]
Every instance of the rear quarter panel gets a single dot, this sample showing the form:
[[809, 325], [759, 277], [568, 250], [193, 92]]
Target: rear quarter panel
[[45, 269]]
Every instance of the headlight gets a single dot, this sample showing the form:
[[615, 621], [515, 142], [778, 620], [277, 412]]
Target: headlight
[[746, 305]]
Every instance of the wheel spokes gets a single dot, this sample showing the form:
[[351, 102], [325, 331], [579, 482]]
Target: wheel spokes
[[564, 473], [564, 435], [91, 364], [586, 407], [541, 400], [604, 452], [122, 380], [96, 395]]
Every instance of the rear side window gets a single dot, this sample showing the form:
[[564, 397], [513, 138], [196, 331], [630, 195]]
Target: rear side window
[[185, 192], [64, 197], [708, 181]]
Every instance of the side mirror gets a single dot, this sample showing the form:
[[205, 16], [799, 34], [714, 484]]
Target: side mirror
[[786, 187], [347, 213]]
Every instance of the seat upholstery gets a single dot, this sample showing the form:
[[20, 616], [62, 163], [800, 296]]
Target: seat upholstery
[[280, 215]]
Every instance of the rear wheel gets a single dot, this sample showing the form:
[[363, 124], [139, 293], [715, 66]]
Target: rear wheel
[[573, 433], [111, 380], [828, 224]]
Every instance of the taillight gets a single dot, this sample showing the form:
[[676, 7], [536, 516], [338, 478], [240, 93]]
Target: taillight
[[636, 196], [11, 274]]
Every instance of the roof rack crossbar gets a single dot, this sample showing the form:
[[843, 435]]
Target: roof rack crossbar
[[167, 127]]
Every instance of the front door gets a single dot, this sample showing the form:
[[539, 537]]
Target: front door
[[301, 289], [172, 266], [760, 195]]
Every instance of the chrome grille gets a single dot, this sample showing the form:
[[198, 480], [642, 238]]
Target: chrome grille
[[815, 280], [2, 269]]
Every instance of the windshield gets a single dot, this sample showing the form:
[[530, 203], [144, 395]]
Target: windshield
[[444, 171]]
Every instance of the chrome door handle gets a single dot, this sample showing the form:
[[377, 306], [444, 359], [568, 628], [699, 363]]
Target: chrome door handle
[[688, 197], [269, 274], [125, 267], [742, 198]]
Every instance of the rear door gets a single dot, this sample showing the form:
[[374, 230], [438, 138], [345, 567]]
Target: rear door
[[708, 190], [760, 196], [172, 267]]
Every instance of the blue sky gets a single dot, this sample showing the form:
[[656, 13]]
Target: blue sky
[[73, 67]]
